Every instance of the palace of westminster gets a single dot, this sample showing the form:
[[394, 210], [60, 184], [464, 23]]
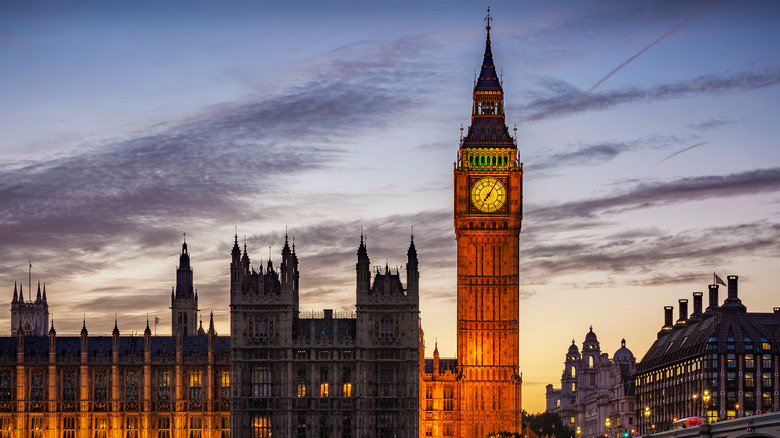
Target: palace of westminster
[[286, 373]]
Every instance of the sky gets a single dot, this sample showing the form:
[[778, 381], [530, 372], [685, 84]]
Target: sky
[[648, 132]]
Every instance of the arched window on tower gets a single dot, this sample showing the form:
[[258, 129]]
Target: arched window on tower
[[386, 328]]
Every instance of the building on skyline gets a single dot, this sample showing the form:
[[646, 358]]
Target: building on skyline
[[32, 316], [718, 363], [112, 386], [325, 374], [596, 396], [479, 392]]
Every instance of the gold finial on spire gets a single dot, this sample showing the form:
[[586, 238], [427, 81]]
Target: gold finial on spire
[[488, 18]]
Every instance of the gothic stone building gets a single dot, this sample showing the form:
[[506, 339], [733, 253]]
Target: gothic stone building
[[596, 397], [482, 393], [329, 374], [718, 363], [281, 373], [100, 386]]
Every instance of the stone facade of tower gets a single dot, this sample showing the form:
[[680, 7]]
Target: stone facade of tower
[[31, 316], [323, 374], [184, 298], [488, 215]]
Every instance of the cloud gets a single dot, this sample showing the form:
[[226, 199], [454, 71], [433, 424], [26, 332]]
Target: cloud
[[652, 194], [558, 98], [218, 167], [643, 259], [712, 124]]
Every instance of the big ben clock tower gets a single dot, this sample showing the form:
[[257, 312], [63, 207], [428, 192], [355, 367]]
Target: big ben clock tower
[[488, 214]]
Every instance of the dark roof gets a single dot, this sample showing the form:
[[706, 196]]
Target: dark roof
[[720, 329], [488, 79], [102, 346], [444, 365], [387, 283]]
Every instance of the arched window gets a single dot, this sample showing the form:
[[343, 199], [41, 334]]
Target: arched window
[[386, 327]]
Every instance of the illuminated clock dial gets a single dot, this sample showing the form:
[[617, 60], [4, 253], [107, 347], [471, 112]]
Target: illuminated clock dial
[[488, 194]]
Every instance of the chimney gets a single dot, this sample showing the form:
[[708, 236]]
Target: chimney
[[733, 303], [683, 311], [733, 295], [328, 313], [713, 306], [697, 303], [668, 317]]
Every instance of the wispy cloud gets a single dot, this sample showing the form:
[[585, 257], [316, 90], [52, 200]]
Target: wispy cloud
[[558, 98], [713, 123], [651, 194]]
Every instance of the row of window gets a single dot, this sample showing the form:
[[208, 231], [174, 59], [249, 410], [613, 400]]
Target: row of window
[[100, 385], [100, 427]]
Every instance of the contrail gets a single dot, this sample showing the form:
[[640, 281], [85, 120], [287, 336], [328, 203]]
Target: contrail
[[626, 62], [679, 152]]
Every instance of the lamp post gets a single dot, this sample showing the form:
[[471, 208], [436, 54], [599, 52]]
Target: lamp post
[[695, 410], [705, 401], [647, 417], [606, 424]]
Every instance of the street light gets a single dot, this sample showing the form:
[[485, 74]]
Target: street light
[[647, 416]]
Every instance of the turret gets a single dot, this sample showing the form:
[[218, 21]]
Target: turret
[[38, 299], [235, 264], [184, 299], [16, 298], [289, 272], [412, 270], [363, 268]]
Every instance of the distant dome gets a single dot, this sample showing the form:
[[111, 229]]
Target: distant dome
[[573, 347], [623, 355], [591, 337]]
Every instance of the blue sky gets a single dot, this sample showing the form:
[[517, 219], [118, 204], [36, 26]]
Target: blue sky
[[126, 125]]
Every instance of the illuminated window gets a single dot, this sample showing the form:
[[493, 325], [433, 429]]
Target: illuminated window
[[68, 427], [36, 427], [766, 381], [101, 427], [261, 427], [766, 400], [5, 427], [164, 427], [132, 427], [224, 383], [324, 390], [766, 362], [347, 390], [749, 380], [196, 390], [749, 361], [429, 398], [196, 426], [164, 385], [301, 390], [261, 381], [131, 385], [225, 427], [448, 397]]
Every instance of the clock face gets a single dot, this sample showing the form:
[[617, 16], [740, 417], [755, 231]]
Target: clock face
[[488, 194]]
